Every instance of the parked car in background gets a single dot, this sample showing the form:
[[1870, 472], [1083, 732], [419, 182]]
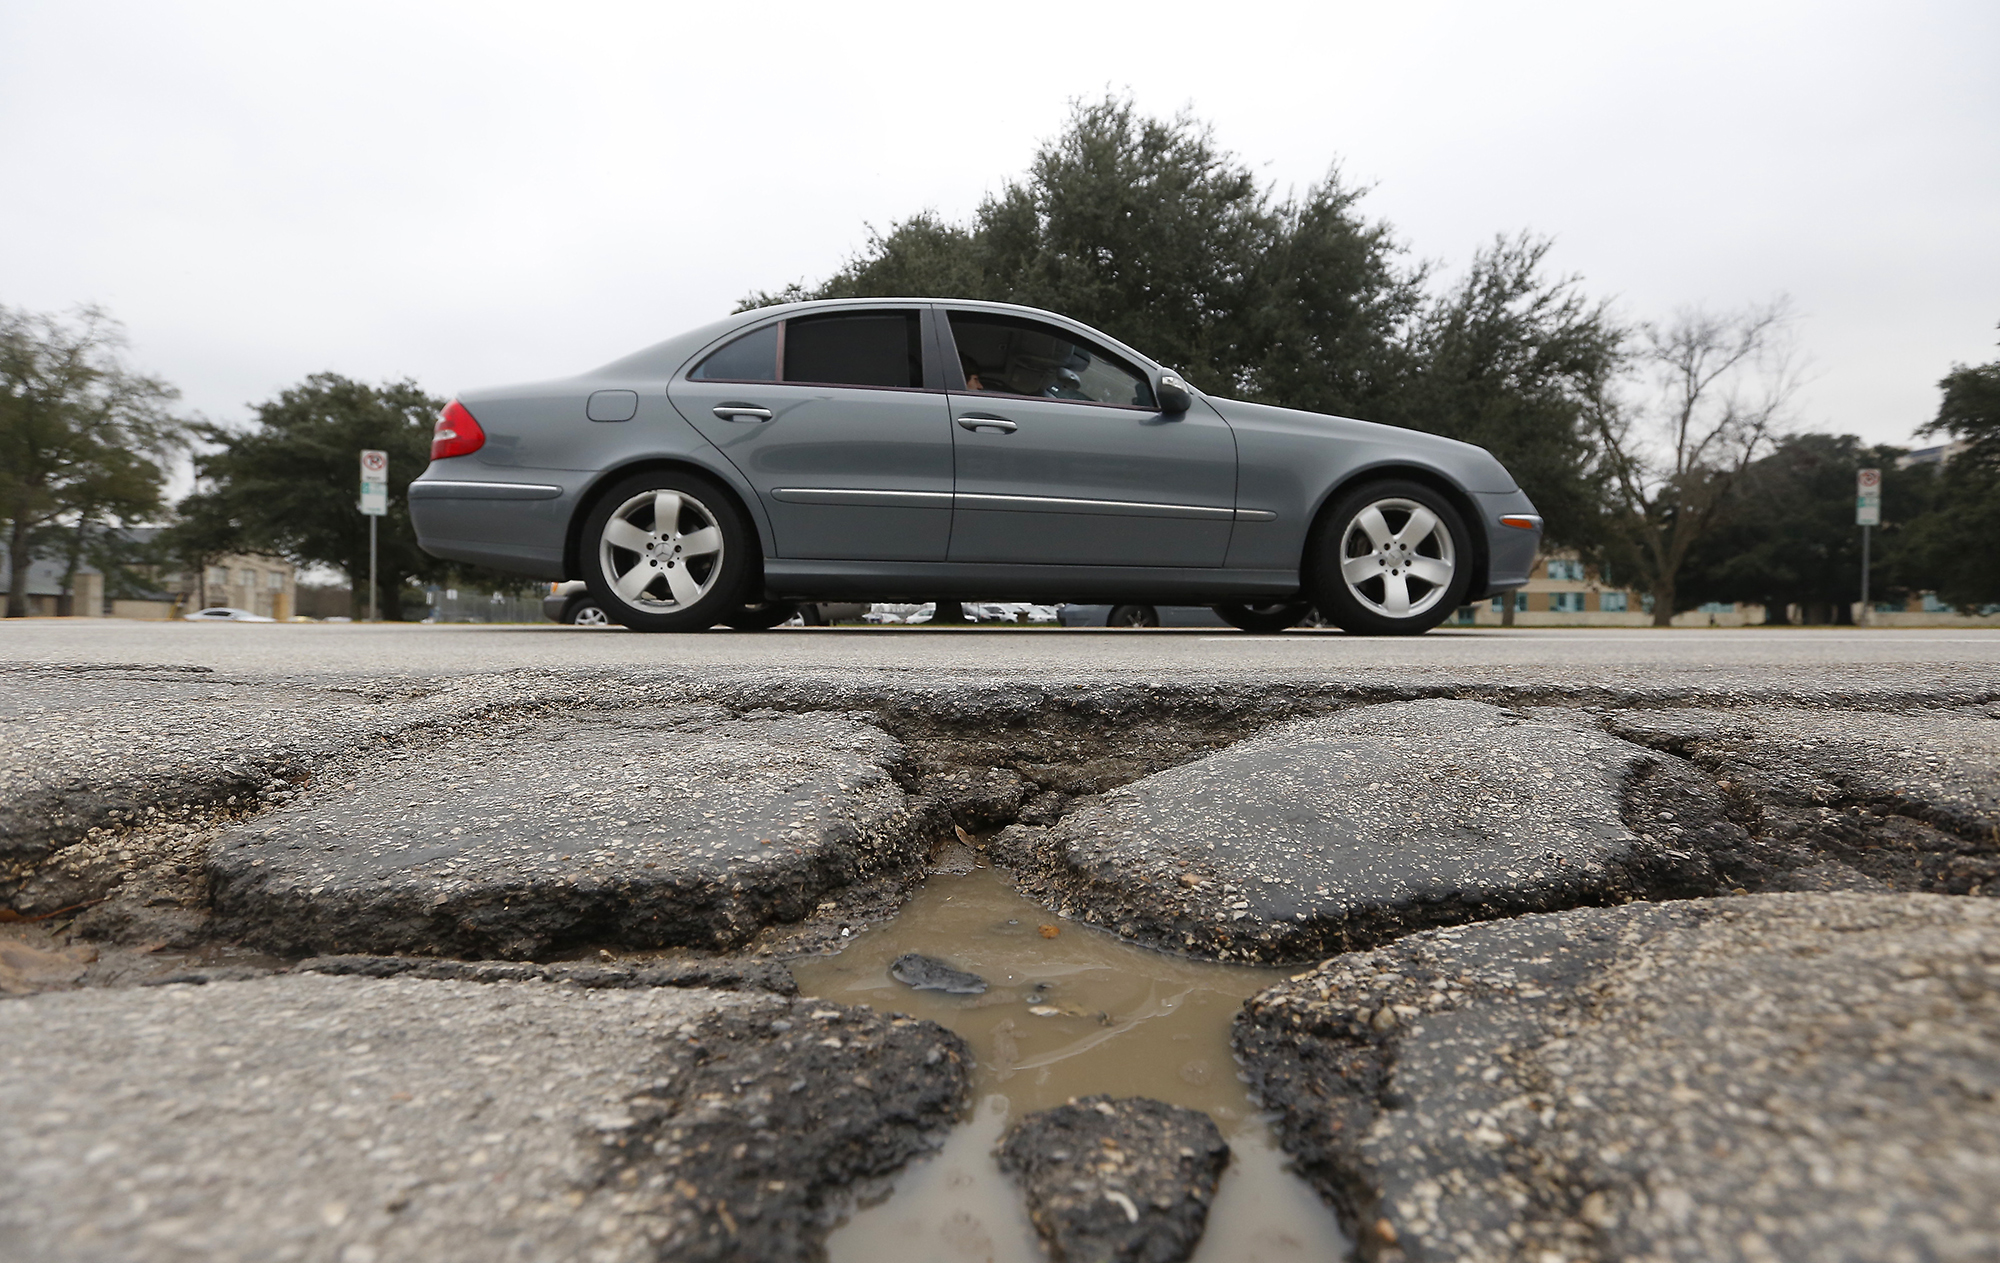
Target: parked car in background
[[917, 450], [572, 603], [1139, 615], [225, 614]]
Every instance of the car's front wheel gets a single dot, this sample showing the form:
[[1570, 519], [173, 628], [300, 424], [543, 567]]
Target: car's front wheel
[[1392, 558], [667, 551]]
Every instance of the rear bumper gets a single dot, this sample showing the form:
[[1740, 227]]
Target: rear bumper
[[515, 525]]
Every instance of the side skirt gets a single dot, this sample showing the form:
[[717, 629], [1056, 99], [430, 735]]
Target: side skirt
[[787, 579]]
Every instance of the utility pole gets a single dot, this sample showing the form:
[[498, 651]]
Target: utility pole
[[1867, 515], [374, 503]]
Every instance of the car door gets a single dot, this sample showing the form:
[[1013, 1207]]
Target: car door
[[840, 422], [1063, 456]]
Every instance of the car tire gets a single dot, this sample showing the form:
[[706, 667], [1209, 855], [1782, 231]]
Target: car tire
[[1392, 558], [759, 615], [685, 575], [584, 611], [1132, 616], [1266, 619]]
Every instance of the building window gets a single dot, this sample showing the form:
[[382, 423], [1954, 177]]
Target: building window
[[1467, 615], [218, 576], [1717, 607], [277, 580], [1520, 603], [1565, 570], [1612, 602], [1566, 602]]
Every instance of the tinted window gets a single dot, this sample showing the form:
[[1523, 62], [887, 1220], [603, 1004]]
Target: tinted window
[[1008, 355], [751, 358], [875, 348]]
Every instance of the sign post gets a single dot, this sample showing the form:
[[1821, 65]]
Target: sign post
[[374, 504], [1867, 513]]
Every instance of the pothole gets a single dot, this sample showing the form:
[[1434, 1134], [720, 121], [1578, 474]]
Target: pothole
[[1069, 1011]]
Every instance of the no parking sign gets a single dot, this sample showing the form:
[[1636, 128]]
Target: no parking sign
[[1868, 498], [375, 483]]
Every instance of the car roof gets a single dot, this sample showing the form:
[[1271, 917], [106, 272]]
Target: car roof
[[676, 353]]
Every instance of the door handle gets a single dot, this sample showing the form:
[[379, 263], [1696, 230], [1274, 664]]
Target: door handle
[[977, 421], [741, 412]]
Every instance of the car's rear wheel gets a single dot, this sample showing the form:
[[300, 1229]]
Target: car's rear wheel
[[1392, 558], [1132, 616], [667, 551], [1274, 616], [759, 615]]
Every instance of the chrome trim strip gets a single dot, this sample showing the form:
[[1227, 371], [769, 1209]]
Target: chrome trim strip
[[447, 489], [879, 499], [1114, 508], [1009, 504]]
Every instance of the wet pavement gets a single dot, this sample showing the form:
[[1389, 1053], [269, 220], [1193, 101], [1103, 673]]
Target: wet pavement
[[1063, 1016]]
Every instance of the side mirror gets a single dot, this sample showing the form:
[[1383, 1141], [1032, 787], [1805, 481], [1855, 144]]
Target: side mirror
[[1174, 394]]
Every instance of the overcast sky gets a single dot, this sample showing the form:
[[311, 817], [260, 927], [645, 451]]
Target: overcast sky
[[478, 193]]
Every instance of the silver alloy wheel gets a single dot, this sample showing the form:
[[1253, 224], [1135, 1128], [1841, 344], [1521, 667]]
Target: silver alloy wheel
[[1391, 546], [661, 551], [590, 616]]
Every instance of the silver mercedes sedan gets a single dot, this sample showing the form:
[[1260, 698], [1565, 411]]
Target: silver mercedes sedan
[[920, 449]]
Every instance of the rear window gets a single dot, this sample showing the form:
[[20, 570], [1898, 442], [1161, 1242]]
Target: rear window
[[876, 348], [751, 358]]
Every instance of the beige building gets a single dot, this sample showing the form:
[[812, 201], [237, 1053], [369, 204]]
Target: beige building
[[261, 585], [1564, 592]]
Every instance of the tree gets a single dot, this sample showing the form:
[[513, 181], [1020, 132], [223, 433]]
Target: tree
[[290, 486], [1146, 229], [81, 435], [1955, 542], [1720, 386], [1787, 536], [1516, 361]]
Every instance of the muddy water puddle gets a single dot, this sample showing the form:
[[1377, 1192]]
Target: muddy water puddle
[[1068, 1011]]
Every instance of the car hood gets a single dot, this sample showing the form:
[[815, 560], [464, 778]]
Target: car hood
[[1471, 466]]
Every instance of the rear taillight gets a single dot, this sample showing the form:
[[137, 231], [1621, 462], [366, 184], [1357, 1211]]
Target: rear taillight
[[457, 434]]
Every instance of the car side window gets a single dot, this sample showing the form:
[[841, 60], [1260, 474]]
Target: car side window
[[1012, 356], [751, 358], [863, 348]]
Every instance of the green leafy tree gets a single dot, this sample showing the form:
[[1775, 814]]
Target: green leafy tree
[[1146, 229], [291, 484], [82, 437], [1518, 362], [1787, 536], [1954, 544]]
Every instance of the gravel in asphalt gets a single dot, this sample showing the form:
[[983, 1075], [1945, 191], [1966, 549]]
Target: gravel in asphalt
[[1110, 1178], [1347, 830], [640, 827], [1907, 801], [355, 1119], [1771, 1077]]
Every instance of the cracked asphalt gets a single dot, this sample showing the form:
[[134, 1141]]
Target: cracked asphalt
[[684, 812]]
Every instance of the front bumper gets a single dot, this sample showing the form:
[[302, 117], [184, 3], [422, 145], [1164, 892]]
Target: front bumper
[[1510, 550]]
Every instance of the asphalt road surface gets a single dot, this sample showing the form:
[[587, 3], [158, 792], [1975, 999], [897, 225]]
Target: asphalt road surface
[[1753, 657]]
